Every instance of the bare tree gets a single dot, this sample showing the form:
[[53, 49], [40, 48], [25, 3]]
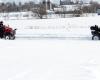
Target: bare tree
[[94, 6], [40, 10]]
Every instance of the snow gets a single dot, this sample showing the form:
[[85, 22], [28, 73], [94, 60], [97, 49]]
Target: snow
[[62, 27], [49, 60], [59, 49]]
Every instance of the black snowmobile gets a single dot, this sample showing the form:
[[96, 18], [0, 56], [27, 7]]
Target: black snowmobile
[[95, 31]]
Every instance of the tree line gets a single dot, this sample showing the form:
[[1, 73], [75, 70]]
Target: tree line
[[16, 7], [92, 7], [40, 8]]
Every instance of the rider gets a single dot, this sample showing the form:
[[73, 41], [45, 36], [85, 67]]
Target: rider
[[1, 29]]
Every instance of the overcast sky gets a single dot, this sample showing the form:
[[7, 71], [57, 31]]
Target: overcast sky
[[56, 1]]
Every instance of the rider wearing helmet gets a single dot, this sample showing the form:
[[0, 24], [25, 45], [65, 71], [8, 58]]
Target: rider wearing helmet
[[1, 29]]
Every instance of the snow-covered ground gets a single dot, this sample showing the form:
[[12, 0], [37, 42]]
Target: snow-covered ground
[[63, 27], [62, 54], [49, 60]]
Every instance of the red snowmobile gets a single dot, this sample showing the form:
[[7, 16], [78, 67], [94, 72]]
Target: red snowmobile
[[9, 33]]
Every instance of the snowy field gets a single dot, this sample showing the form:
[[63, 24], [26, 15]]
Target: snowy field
[[53, 49], [49, 60], [52, 28]]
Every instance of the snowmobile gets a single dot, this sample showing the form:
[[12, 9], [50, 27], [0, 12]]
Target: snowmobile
[[95, 31], [9, 33]]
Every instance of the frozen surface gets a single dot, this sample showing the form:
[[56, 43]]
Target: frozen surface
[[53, 49], [49, 60], [63, 27]]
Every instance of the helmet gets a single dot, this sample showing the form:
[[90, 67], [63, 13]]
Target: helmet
[[1, 22]]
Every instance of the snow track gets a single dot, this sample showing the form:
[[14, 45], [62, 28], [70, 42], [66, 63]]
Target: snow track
[[70, 34], [61, 38]]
